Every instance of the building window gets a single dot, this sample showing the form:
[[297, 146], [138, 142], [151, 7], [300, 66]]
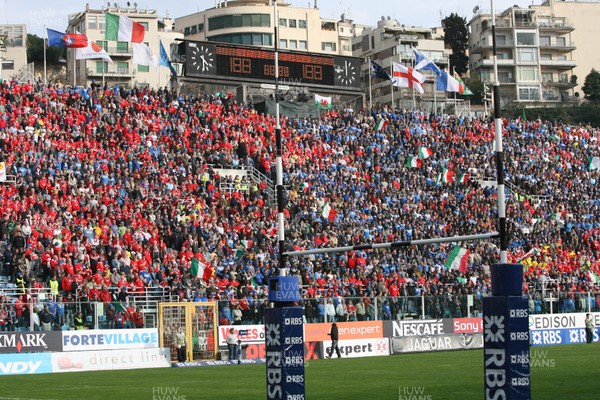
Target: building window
[[547, 77], [258, 39], [8, 65], [327, 26], [544, 40], [528, 55], [561, 41], [122, 67], [194, 30], [101, 23], [293, 44], [283, 22], [145, 25], [237, 21], [143, 68], [302, 45], [283, 43], [200, 27], [101, 67], [528, 74], [505, 77], [302, 23], [327, 46], [92, 22], [546, 57], [292, 23], [529, 93], [186, 31], [103, 44], [526, 38], [122, 47]]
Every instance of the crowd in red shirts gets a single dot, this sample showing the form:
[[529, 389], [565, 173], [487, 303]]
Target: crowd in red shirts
[[118, 188]]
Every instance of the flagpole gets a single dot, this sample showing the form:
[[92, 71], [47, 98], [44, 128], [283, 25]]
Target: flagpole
[[45, 47], [75, 68], [370, 88], [434, 94], [413, 89], [392, 83], [159, 61]]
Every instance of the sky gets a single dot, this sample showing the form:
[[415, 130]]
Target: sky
[[425, 13]]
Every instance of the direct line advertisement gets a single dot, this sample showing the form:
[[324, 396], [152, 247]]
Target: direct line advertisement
[[110, 339], [76, 361]]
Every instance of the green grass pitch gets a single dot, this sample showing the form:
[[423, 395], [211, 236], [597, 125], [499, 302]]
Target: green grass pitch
[[559, 372]]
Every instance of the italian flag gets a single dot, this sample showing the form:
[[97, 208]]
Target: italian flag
[[328, 212], [424, 152], [594, 163], [464, 178], [593, 277], [414, 162], [458, 259], [247, 244], [201, 270], [447, 176], [381, 124], [122, 28], [305, 186]]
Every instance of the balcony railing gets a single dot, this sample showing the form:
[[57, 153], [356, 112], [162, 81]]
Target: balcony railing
[[119, 51], [114, 72], [558, 63], [558, 46]]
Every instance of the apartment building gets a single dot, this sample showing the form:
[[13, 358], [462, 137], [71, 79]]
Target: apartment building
[[123, 70], [251, 22], [535, 51], [13, 50]]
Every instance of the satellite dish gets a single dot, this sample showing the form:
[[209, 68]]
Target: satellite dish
[[135, 5], [108, 4], [116, 5], [128, 4], [475, 9]]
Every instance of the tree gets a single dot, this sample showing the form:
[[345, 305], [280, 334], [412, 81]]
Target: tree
[[456, 36], [35, 51], [591, 86]]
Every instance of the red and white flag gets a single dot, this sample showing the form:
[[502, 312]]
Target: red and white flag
[[407, 77]]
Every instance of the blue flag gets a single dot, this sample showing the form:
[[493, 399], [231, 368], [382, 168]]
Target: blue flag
[[164, 59], [424, 63], [56, 38], [377, 71]]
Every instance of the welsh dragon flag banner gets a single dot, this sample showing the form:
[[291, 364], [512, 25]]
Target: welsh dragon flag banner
[[323, 102]]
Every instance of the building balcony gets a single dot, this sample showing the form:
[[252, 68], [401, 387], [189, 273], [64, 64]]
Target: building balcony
[[490, 63], [117, 72], [559, 64], [562, 83], [568, 46], [487, 47], [114, 51], [556, 26]]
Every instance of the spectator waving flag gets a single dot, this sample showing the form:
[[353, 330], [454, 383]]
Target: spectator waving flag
[[458, 259], [328, 212], [323, 102], [424, 152], [164, 59], [424, 63], [70, 40], [414, 162], [201, 270], [122, 28], [447, 83], [381, 124], [407, 77], [594, 163], [464, 90], [377, 71]]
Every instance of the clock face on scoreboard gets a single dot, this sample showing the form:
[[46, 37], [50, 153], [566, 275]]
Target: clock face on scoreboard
[[258, 64]]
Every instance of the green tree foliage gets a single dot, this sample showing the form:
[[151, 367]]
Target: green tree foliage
[[591, 86], [456, 36], [35, 51]]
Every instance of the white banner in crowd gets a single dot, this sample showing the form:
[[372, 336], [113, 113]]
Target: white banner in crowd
[[76, 361], [110, 339], [415, 344]]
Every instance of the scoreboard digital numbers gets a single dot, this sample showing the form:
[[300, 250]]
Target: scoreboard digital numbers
[[209, 59]]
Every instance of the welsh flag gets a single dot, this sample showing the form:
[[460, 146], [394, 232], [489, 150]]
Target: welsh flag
[[323, 102], [464, 178], [447, 176], [381, 124], [592, 276], [458, 259], [594, 163], [328, 212], [414, 162], [201, 270], [124, 29], [424, 152]]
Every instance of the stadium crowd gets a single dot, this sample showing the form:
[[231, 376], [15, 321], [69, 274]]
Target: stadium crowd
[[117, 191]]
